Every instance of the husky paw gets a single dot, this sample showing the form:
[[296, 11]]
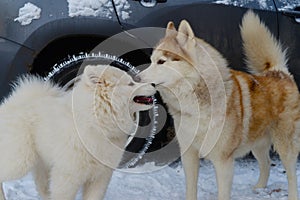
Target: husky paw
[[259, 186]]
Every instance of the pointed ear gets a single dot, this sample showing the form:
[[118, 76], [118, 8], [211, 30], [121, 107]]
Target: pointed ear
[[185, 32], [92, 74], [171, 30], [186, 29]]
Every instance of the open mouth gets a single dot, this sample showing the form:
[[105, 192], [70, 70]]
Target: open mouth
[[146, 100]]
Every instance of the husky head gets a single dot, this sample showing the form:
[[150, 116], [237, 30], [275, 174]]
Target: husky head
[[173, 58], [115, 90], [182, 56]]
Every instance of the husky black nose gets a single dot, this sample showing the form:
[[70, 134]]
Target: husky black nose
[[137, 78], [153, 84]]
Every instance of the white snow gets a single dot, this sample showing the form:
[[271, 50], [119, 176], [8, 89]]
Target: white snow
[[263, 3], [122, 7], [28, 13], [168, 184], [102, 8]]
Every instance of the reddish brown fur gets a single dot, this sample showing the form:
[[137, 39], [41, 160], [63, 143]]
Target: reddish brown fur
[[268, 96]]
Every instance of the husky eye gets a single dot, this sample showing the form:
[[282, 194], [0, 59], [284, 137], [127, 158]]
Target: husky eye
[[160, 62], [175, 59], [131, 84]]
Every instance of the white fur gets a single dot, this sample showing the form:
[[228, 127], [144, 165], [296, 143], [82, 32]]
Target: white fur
[[69, 139], [260, 46]]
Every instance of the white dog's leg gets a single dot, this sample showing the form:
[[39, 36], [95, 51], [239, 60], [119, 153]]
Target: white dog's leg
[[41, 178], [95, 190], [224, 175], [190, 161], [63, 185], [2, 197], [261, 153]]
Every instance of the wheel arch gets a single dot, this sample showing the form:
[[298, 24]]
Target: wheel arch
[[60, 48], [57, 37]]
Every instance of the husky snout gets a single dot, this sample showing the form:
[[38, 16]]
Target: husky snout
[[138, 78]]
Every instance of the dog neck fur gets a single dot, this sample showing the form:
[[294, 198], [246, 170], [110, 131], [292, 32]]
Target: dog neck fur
[[97, 98]]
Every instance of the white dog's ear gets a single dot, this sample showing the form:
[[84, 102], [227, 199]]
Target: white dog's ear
[[185, 33], [92, 74], [171, 30]]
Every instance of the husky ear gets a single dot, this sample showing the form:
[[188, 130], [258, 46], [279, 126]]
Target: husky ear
[[92, 74], [171, 30], [185, 33]]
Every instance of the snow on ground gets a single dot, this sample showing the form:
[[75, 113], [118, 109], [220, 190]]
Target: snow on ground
[[167, 183]]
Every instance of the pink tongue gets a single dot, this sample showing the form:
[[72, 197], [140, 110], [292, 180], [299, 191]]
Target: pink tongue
[[143, 99]]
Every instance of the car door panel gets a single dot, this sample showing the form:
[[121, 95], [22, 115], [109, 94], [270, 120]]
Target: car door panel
[[217, 22], [289, 33]]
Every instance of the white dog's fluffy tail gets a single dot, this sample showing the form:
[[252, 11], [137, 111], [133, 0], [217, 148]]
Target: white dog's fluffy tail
[[29, 88], [263, 52]]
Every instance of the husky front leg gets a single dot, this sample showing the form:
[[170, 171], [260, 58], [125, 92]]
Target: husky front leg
[[190, 161], [224, 174]]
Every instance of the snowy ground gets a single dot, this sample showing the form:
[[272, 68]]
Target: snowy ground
[[167, 183]]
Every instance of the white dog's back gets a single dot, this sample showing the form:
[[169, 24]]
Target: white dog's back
[[18, 111], [31, 88]]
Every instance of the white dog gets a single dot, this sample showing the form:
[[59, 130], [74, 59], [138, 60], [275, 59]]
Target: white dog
[[73, 138]]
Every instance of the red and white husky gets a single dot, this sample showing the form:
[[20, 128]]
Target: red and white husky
[[220, 113]]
